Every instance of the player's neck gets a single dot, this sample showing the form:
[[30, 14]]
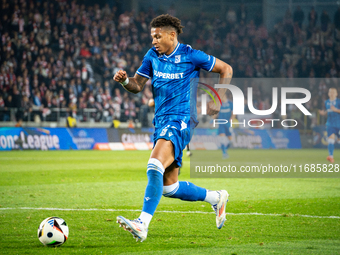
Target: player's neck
[[332, 99], [173, 47]]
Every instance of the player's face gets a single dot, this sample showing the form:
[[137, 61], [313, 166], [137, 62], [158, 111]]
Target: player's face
[[332, 93], [163, 39]]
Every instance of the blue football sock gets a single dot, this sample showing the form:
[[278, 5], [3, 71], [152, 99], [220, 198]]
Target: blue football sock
[[227, 145], [186, 191], [330, 146], [154, 189], [223, 147]]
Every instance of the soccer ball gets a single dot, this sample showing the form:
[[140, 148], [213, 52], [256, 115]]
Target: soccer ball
[[53, 231]]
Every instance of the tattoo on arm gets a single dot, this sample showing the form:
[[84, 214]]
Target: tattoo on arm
[[136, 84]]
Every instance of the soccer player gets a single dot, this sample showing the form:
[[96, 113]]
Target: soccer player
[[171, 65], [224, 130], [333, 120]]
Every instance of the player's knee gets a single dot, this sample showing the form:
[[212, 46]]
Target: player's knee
[[331, 140], [171, 174], [164, 152], [170, 190], [154, 165]]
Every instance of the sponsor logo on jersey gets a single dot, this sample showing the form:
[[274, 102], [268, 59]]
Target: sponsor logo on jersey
[[168, 75]]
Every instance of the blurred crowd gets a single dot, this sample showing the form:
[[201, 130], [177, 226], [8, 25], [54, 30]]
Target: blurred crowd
[[62, 54]]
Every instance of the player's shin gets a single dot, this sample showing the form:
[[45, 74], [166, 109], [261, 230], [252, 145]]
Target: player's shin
[[223, 148], [227, 144], [153, 191]]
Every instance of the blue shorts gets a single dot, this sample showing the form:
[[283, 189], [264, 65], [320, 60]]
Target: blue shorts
[[332, 130], [178, 132], [224, 129]]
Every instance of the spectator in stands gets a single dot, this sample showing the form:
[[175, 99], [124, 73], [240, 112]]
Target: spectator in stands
[[325, 20], [242, 13], [231, 16], [312, 18], [298, 16]]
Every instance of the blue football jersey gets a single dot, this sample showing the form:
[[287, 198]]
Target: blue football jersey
[[333, 118], [225, 111], [171, 77]]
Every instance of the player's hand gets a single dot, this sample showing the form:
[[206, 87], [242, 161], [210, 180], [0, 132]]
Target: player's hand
[[120, 76], [213, 109], [322, 112], [151, 103]]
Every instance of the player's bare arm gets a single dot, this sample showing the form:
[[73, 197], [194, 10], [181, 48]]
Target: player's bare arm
[[135, 84], [226, 73]]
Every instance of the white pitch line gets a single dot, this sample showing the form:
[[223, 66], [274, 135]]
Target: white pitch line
[[198, 212]]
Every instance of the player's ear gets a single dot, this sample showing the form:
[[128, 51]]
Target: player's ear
[[172, 35]]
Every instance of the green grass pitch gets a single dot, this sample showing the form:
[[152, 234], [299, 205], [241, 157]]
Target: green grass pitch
[[114, 183]]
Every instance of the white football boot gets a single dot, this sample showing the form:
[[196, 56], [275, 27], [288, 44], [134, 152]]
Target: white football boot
[[137, 228], [219, 208]]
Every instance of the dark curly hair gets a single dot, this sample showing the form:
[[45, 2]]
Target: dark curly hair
[[166, 20]]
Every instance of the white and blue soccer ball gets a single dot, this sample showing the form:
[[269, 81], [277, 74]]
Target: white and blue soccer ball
[[53, 231]]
